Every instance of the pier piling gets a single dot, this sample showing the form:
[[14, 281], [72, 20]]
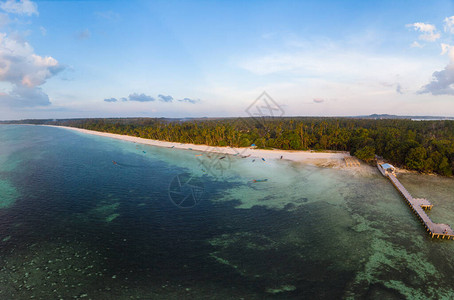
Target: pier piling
[[419, 207]]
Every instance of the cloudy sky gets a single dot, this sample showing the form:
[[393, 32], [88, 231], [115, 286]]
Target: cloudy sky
[[61, 59]]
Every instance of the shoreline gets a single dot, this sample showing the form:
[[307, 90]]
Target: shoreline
[[330, 159]]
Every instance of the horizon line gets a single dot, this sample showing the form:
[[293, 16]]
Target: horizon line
[[232, 117]]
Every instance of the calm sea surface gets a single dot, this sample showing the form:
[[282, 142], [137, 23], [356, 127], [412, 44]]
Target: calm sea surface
[[89, 217]]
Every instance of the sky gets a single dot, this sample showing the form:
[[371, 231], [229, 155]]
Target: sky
[[73, 59]]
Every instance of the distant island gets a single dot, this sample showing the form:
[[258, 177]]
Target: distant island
[[422, 146]]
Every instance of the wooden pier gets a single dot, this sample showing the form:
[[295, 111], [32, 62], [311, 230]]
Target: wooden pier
[[419, 206]]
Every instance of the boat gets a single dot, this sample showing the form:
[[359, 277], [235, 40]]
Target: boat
[[260, 180]]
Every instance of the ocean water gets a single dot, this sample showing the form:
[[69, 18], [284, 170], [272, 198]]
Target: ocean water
[[90, 217]]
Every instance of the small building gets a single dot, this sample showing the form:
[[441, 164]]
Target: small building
[[387, 169]]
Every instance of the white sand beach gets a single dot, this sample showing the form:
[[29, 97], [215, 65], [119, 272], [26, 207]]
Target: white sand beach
[[324, 159]]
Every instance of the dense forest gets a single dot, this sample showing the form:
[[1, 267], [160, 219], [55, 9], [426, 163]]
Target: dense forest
[[425, 146]]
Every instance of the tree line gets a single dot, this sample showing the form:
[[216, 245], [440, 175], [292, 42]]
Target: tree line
[[425, 146]]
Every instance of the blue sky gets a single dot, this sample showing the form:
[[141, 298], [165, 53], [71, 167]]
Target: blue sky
[[61, 59]]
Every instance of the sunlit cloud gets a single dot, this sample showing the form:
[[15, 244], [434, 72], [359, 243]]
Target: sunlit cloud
[[25, 71], [428, 31]]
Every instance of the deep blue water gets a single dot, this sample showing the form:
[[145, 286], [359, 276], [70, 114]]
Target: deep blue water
[[91, 217]]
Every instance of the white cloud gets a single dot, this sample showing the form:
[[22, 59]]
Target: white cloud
[[21, 7], [423, 27], [449, 24], [335, 64], [140, 97], [350, 75], [189, 100], [442, 81], [448, 49], [25, 71], [25, 97], [415, 44], [165, 98], [429, 33]]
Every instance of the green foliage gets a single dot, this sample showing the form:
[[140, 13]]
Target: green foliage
[[367, 153], [426, 146], [445, 168], [416, 159]]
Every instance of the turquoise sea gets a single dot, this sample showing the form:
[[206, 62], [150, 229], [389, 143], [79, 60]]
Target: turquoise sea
[[89, 217]]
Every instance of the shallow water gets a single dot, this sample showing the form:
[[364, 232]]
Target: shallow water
[[90, 217]]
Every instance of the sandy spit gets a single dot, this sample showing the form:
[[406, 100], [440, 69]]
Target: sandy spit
[[324, 159]]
